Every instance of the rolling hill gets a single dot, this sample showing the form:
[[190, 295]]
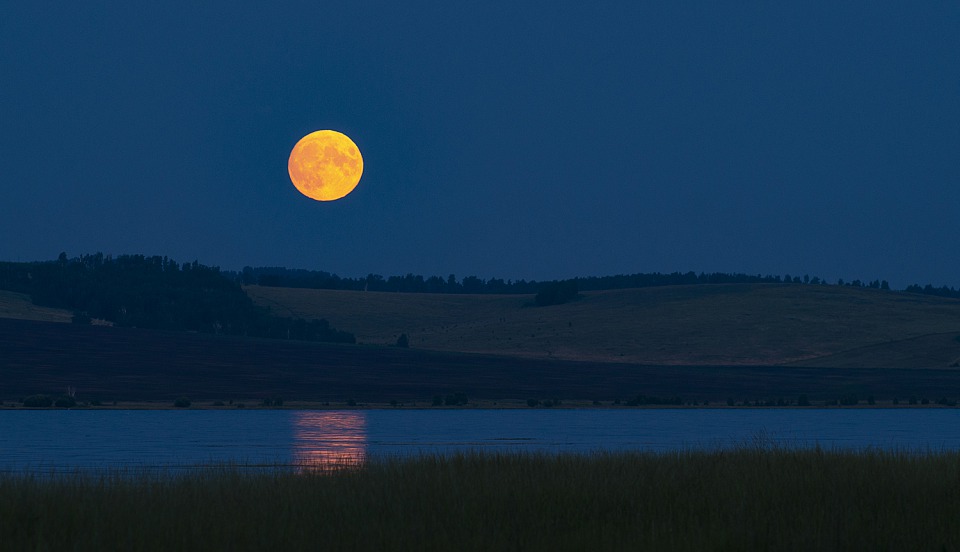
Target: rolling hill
[[737, 324], [18, 306], [706, 325], [756, 341], [130, 364]]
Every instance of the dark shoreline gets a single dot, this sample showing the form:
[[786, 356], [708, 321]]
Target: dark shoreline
[[508, 404], [132, 365]]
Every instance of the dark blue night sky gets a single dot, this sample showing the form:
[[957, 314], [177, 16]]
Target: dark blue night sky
[[532, 140]]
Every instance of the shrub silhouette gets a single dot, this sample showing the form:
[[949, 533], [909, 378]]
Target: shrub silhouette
[[557, 293], [641, 400], [403, 342], [65, 401], [456, 399], [38, 401], [181, 402]]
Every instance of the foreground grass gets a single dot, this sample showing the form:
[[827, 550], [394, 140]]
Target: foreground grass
[[749, 499]]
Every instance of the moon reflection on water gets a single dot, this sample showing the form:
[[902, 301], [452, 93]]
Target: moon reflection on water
[[329, 439]]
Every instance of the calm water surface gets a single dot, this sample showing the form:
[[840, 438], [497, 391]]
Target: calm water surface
[[72, 439]]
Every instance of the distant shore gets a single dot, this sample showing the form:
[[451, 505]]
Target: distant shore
[[507, 404], [104, 365]]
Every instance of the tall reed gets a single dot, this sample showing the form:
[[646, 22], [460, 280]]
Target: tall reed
[[753, 498]]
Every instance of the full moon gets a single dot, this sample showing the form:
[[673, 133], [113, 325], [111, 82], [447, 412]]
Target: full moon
[[325, 165]]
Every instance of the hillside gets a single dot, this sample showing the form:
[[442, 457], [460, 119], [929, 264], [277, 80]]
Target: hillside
[[737, 324], [129, 364], [18, 306]]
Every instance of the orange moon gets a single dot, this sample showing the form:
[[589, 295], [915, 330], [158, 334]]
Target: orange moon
[[325, 165]]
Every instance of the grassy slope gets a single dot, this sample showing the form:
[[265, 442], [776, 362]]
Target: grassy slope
[[129, 364], [18, 306], [750, 324]]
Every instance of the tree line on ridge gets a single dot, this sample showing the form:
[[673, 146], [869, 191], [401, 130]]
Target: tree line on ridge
[[412, 283], [156, 293]]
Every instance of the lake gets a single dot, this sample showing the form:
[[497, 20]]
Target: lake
[[65, 440]]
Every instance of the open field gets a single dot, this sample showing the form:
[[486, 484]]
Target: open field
[[925, 350], [698, 342], [754, 498], [742, 324], [126, 364], [739, 324], [18, 306]]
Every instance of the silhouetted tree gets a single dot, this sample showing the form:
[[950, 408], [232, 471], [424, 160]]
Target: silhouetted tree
[[65, 401], [156, 292], [557, 293], [455, 399], [38, 401]]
